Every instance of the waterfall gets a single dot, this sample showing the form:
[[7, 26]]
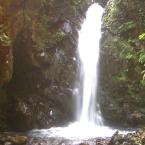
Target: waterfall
[[89, 123], [88, 50]]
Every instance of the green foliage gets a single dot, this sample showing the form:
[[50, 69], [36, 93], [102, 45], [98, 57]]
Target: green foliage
[[121, 77], [127, 26], [143, 78], [124, 49], [141, 57], [141, 36], [142, 82], [114, 11], [127, 50], [76, 2], [129, 56], [59, 35]]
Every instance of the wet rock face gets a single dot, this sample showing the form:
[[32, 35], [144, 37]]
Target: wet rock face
[[6, 65], [103, 3], [44, 42], [122, 94], [5, 76], [45, 66]]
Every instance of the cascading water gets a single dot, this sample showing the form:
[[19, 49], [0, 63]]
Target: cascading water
[[88, 50], [89, 123]]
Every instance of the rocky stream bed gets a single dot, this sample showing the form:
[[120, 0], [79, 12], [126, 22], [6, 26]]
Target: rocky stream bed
[[136, 138]]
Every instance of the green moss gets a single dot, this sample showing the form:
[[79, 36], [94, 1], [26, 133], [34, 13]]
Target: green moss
[[76, 2], [120, 77], [127, 26], [59, 35], [5, 39]]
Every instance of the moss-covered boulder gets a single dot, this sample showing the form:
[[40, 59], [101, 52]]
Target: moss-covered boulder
[[122, 63]]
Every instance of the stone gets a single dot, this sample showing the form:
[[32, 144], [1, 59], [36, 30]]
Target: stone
[[20, 139], [7, 143]]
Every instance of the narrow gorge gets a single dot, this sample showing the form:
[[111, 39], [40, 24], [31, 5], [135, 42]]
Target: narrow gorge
[[49, 64]]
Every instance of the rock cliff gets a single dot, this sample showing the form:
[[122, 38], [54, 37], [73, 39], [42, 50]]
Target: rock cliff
[[122, 63], [38, 62]]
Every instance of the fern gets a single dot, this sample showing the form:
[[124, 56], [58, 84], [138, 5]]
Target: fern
[[142, 36]]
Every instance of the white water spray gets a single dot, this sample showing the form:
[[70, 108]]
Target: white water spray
[[88, 50]]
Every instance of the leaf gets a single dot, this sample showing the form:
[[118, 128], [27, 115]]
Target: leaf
[[141, 58], [129, 56], [142, 36]]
